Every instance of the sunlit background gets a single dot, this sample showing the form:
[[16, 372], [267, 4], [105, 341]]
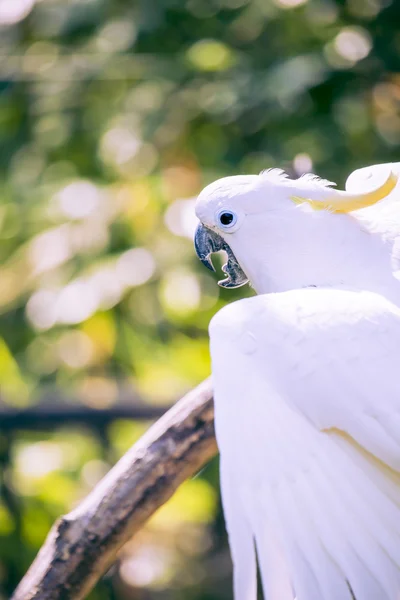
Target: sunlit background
[[113, 115]]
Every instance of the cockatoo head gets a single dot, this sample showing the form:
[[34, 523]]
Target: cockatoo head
[[280, 233]]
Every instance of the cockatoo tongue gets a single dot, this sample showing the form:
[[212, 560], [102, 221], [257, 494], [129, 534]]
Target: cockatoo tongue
[[206, 242]]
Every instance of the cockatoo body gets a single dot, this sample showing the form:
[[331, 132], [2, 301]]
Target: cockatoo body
[[307, 383]]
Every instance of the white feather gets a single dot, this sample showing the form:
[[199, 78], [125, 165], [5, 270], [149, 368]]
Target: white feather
[[307, 422], [383, 218], [275, 175], [315, 181], [241, 540]]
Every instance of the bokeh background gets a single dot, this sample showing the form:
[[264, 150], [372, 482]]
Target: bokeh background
[[113, 115]]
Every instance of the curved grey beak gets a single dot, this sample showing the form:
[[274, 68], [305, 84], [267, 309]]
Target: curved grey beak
[[206, 242]]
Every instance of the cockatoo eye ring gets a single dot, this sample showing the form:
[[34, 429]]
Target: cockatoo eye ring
[[227, 219]]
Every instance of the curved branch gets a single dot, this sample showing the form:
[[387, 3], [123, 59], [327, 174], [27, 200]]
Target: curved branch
[[82, 545]]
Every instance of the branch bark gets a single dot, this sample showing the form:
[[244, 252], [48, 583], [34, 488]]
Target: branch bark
[[83, 544]]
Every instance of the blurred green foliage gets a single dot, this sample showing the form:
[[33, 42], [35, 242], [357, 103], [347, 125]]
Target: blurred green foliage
[[113, 115]]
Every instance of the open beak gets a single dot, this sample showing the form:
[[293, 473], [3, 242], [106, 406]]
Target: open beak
[[206, 242]]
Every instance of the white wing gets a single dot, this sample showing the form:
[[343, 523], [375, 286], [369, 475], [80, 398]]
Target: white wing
[[382, 218], [307, 401]]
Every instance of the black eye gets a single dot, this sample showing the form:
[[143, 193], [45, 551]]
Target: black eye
[[227, 218]]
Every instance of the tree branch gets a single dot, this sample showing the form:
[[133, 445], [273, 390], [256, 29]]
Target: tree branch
[[82, 545]]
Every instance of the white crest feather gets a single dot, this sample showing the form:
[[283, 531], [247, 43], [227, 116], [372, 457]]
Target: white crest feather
[[275, 175], [314, 181], [308, 180]]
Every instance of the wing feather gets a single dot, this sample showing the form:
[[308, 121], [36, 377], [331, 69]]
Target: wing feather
[[241, 540], [308, 425]]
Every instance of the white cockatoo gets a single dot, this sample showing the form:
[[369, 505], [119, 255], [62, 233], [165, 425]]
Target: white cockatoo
[[307, 381]]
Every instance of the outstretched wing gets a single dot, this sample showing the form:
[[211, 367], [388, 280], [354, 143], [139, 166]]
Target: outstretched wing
[[307, 401], [382, 218]]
